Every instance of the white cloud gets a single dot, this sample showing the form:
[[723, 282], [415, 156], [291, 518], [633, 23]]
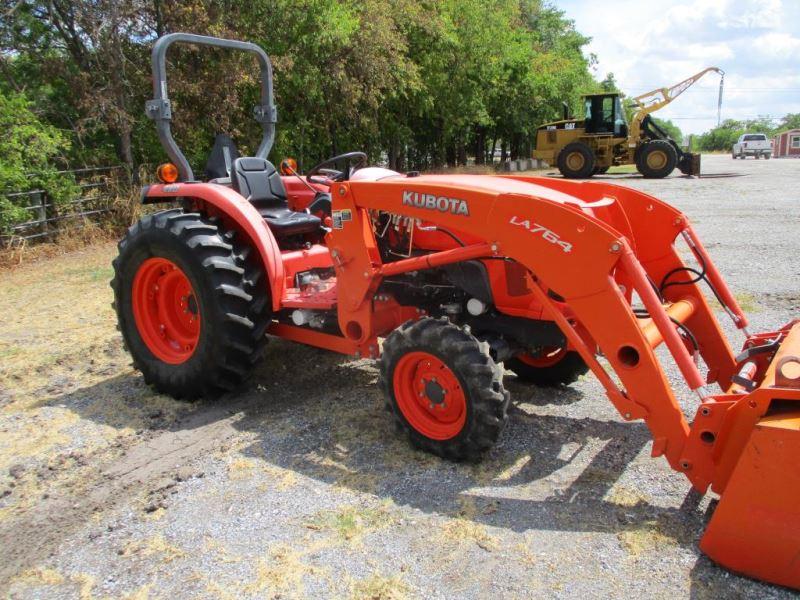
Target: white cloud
[[652, 43]]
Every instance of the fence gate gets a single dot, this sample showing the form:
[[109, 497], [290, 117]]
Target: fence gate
[[44, 218]]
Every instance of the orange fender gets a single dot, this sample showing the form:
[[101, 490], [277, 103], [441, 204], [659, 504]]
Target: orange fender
[[233, 208]]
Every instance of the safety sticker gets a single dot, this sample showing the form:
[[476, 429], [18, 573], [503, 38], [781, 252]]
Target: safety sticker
[[337, 219], [347, 215]]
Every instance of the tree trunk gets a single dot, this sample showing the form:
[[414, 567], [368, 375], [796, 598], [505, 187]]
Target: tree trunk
[[480, 146], [334, 145], [391, 153], [450, 155], [126, 152]]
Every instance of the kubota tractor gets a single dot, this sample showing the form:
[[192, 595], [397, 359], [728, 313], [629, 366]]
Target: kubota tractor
[[458, 274]]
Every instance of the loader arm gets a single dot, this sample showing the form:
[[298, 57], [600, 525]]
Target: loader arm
[[654, 100], [573, 253], [578, 251]]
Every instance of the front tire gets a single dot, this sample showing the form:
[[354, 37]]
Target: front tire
[[191, 305], [443, 389], [576, 161], [656, 159]]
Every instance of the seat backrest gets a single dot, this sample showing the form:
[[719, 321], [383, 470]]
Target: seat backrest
[[257, 180], [221, 158]]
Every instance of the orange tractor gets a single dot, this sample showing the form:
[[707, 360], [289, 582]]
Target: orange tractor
[[457, 274]]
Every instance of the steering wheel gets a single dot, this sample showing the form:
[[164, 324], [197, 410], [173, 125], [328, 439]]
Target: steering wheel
[[355, 160]]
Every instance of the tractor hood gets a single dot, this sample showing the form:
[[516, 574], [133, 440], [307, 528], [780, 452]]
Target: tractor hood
[[475, 183]]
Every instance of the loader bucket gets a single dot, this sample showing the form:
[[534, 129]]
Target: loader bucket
[[690, 164], [755, 529]]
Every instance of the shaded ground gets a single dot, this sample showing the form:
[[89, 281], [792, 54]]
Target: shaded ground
[[299, 487]]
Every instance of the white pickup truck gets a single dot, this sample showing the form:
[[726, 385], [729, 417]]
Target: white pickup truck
[[752, 144]]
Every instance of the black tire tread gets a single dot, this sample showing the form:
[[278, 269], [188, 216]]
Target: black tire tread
[[589, 164], [641, 159], [481, 378], [242, 309]]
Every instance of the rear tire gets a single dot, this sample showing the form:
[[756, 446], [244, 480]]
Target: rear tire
[[442, 389], [565, 367], [223, 289], [767, 156], [656, 159], [576, 161]]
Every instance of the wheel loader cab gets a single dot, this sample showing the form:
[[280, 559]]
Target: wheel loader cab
[[604, 114]]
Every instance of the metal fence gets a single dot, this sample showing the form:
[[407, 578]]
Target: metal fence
[[98, 189]]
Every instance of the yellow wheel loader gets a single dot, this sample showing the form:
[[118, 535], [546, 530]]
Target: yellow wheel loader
[[602, 138]]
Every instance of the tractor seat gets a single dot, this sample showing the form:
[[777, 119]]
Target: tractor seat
[[257, 180]]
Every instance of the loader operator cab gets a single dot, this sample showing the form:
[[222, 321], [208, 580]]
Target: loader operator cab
[[604, 114]]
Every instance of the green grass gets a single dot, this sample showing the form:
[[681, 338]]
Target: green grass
[[747, 302], [7, 351], [377, 587], [351, 522], [93, 274], [622, 169]]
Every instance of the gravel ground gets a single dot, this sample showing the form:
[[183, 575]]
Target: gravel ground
[[299, 487]]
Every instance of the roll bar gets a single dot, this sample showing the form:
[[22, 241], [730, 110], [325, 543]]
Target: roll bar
[[160, 110]]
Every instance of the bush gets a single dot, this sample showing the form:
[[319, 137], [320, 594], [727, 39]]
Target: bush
[[30, 151]]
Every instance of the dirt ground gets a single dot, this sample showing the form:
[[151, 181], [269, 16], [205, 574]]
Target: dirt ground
[[298, 486]]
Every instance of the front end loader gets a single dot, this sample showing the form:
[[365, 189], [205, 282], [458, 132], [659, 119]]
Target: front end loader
[[458, 275]]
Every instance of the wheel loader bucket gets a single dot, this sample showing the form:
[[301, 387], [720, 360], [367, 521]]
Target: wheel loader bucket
[[690, 164], [755, 529]]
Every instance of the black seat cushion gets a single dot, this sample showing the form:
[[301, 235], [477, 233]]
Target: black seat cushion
[[257, 180], [223, 154]]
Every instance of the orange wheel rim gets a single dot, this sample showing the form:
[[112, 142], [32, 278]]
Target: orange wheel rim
[[166, 311], [430, 396], [546, 358]]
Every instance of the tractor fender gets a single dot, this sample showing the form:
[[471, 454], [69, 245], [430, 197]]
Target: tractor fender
[[238, 210]]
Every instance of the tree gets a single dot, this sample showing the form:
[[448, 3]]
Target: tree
[[722, 137], [30, 150], [670, 128], [416, 84], [790, 121], [609, 84]]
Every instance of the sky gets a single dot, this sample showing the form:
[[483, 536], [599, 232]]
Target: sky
[[649, 44]]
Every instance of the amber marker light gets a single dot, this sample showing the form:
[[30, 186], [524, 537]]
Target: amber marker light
[[167, 173], [288, 166]]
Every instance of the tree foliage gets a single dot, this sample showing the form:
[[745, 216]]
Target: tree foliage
[[29, 148], [723, 137], [415, 84]]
